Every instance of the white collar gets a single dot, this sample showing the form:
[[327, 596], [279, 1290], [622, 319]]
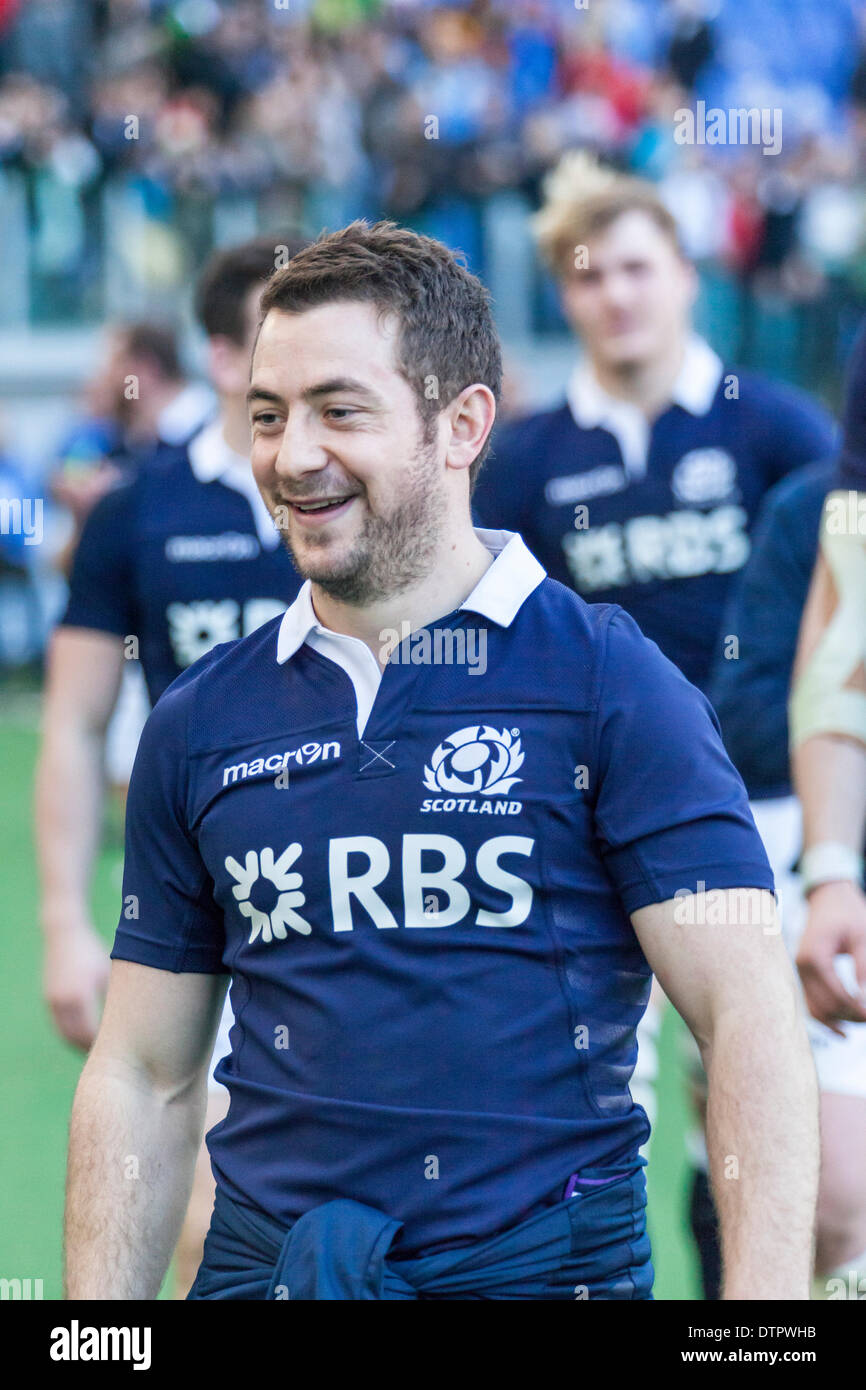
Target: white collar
[[591, 406], [185, 413], [211, 460], [499, 594]]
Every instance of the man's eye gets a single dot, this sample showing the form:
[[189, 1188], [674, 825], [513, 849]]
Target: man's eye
[[340, 412], [265, 417]]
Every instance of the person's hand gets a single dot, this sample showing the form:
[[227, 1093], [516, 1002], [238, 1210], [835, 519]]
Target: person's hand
[[836, 926], [75, 978]]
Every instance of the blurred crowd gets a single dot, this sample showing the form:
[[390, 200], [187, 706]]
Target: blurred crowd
[[312, 112], [404, 108]]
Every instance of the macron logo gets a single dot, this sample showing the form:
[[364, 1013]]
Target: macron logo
[[231, 545], [304, 756], [75, 1343]]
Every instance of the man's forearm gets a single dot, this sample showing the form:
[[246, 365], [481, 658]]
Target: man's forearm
[[830, 779], [132, 1151], [69, 798], [827, 707], [762, 1140]]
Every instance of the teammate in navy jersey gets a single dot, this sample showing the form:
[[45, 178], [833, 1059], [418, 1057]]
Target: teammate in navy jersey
[[181, 557], [124, 428], [439, 885], [641, 488]]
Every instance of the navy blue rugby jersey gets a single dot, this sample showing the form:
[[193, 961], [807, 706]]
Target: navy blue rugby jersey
[[421, 894], [851, 468], [181, 557], [750, 692], [657, 520]]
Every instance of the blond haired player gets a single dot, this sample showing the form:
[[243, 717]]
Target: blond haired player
[[641, 487]]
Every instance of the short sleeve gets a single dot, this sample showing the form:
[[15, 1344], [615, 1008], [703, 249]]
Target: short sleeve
[[101, 592], [799, 431], [169, 918], [671, 810]]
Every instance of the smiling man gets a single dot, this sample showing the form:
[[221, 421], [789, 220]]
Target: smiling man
[[439, 897]]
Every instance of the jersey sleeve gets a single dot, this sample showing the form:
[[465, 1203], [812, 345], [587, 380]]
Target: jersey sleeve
[[169, 918], [799, 431], [101, 592], [671, 811]]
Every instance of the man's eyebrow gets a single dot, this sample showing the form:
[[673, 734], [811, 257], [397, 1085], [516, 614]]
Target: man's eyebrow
[[340, 383], [258, 393], [324, 388]]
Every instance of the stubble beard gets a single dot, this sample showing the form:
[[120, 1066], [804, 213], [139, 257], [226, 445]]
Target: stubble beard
[[392, 552]]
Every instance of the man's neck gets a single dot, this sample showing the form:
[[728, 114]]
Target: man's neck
[[458, 567], [648, 385]]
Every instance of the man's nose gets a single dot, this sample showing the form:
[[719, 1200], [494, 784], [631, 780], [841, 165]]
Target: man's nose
[[616, 290], [301, 448]]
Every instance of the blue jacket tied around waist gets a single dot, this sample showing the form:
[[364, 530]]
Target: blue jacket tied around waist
[[593, 1244]]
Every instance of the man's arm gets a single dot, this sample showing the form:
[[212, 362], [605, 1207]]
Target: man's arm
[[734, 986], [799, 429], [136, 1127], [84, 673], [829, 770]]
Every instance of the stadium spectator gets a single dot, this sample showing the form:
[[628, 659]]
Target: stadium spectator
[[185, 104], [692, 41]]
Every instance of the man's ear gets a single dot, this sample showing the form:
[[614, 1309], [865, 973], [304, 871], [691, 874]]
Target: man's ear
[[471, 415]]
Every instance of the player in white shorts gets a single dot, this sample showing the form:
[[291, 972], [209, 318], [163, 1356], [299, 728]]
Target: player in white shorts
[[816, 853], [840, 1060], [828, 741]]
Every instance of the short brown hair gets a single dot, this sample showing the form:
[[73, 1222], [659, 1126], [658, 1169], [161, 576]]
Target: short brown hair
[[230, 274], [582, 199], [446, 336]]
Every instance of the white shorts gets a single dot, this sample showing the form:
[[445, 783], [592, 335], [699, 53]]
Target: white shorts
[[839, 1062], [222, 1047]]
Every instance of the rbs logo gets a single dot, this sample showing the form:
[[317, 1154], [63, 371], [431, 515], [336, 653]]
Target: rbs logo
[[358, 865]]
